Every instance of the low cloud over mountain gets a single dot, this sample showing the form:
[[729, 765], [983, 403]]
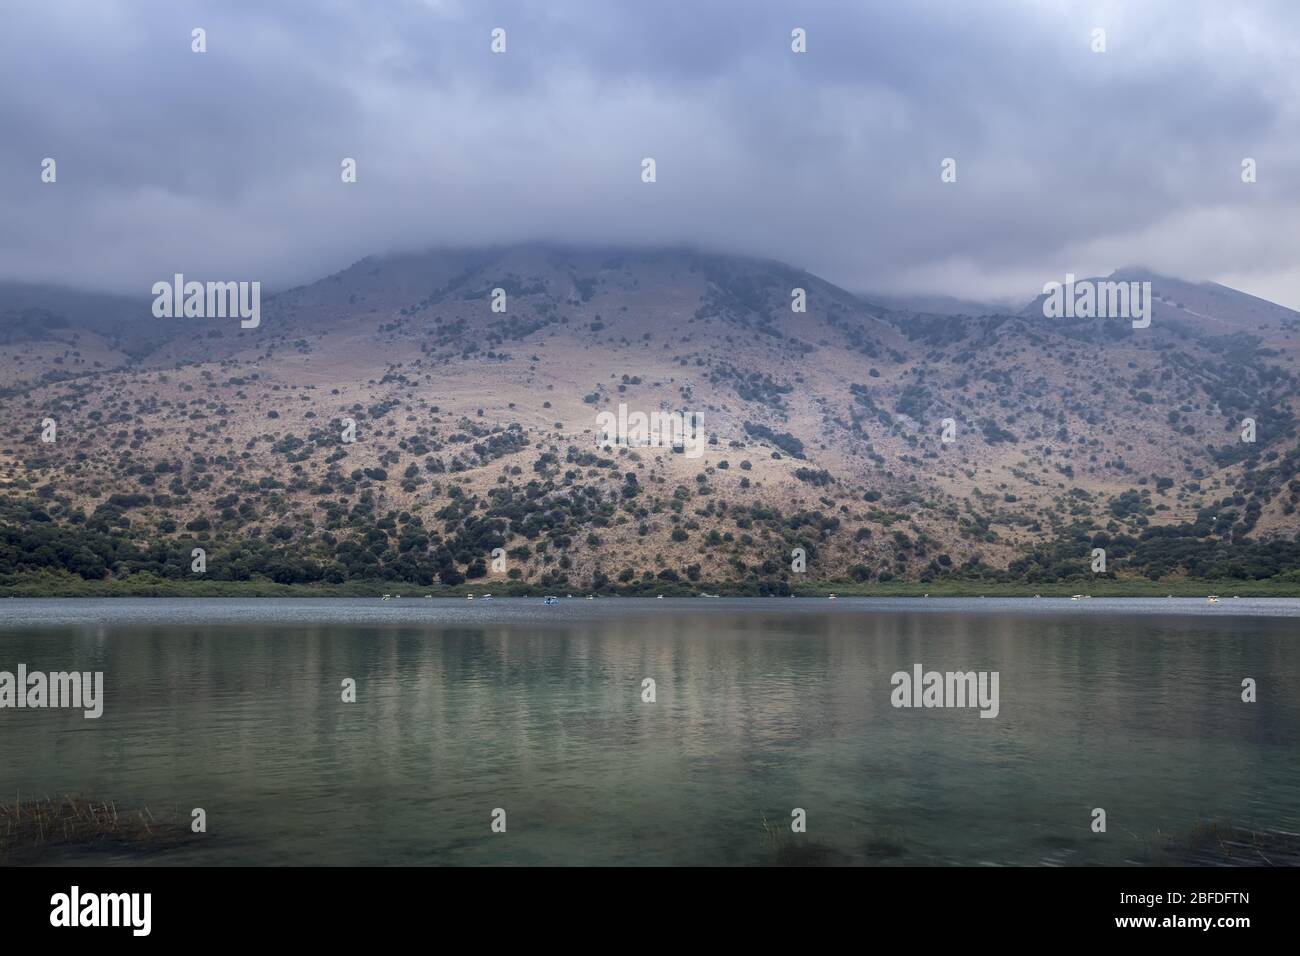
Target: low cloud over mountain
[[1067, 158]]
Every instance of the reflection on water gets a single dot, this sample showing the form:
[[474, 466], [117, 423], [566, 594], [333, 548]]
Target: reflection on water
[[762, 707]]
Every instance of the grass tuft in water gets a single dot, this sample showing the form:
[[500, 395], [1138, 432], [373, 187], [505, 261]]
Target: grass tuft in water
[[32, 830]]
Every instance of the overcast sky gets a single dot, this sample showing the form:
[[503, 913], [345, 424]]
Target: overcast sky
[[226, 165]]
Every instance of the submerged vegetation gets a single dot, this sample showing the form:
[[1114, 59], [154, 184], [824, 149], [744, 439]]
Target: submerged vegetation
[[38, 830]]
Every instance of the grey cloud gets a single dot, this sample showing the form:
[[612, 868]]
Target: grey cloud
[[227, 163]]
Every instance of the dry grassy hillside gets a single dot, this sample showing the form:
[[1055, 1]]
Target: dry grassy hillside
[[476, 429]]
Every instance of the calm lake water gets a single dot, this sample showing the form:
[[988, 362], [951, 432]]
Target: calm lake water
[[762, 706]]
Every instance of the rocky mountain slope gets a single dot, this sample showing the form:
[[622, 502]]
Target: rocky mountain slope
[[477, 430]]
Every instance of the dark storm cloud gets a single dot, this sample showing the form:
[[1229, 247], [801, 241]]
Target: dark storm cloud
[[227, 163]]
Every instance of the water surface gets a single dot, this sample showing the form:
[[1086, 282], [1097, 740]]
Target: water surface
[[763, 706]]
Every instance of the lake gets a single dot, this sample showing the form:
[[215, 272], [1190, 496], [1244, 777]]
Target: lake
[[761, 707]]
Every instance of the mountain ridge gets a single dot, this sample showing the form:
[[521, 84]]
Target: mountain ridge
[[477, 430]]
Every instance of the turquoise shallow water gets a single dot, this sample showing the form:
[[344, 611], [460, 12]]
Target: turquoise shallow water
[[762, 706]]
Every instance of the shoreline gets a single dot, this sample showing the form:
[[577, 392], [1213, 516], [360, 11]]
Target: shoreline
[[148, 587]]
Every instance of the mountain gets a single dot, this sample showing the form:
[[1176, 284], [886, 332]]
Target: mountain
[[477, 429], [932, 304], [1201, 306], [34, 312]]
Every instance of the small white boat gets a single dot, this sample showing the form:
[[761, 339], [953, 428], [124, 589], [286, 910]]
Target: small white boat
[[551, 600], [1212, 599], [469, 597], [831, 598], [659, 597], [1076, 597], [388, 597]]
